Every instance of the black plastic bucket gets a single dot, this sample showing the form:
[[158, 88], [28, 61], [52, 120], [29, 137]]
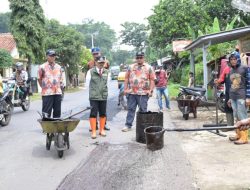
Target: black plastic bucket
[[144, 120], [154, 137]]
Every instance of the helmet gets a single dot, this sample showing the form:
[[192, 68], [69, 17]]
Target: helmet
[[19, 66]]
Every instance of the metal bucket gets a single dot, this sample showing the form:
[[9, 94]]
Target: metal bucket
[[154, 137], [144, 120]]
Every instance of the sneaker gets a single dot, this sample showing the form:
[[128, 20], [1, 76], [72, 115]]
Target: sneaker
[[126, 129]]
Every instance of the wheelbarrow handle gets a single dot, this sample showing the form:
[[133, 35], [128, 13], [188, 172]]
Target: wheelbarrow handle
[[87, 108], [198, 129]]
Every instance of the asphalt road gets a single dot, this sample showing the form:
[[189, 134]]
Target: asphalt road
[[26, 164]]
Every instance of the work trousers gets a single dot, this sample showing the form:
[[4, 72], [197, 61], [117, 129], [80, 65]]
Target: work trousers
[[98, 106], [52, 102], [133, 101]]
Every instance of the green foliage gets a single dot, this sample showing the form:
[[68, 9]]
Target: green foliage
[[68, 44], [121, 56], [28, 27], [103, 36], [223, 10], [134, 34], [181, 75], [86, 57], [186, 19], [5, 59], [173, 89], [4, 22], [173, 20]]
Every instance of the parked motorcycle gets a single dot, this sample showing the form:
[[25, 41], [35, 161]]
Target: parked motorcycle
[[196, 93], [6, 107], [219, 95], [17, 96]]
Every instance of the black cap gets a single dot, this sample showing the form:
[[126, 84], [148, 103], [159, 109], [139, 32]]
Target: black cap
[[50, 52], [139, 53], [101, 59]]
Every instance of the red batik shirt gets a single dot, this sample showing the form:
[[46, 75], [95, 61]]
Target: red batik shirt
[[139, 78], [51, 76]]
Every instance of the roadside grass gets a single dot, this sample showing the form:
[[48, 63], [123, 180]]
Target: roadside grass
[[173, 90], [37, 96], [71, 90]]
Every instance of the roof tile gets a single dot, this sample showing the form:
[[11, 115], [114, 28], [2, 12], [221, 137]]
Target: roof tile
[[7, 41]]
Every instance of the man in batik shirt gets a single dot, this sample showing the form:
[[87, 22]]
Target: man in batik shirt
[[50, 79], [139, 86]]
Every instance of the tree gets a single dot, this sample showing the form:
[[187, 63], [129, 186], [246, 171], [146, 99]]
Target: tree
[[171, 20], [86, 57], [4, 22], [174, 19], [121, 56], [28, 28], [134, 34], [5, 59], [103, 36], [68, 44], [223, 10]]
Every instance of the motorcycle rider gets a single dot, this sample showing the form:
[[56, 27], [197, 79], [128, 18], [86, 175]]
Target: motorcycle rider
[[21, 78]]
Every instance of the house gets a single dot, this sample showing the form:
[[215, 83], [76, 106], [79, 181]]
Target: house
[[8, 43], [241, 34]]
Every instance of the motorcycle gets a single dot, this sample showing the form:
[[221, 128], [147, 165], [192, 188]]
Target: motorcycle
[[17, 96], [122, 99], [219, 92], [6, 107], [195, 92]]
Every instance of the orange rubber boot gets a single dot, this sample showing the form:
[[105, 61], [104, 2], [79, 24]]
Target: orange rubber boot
[[243, 138], [236, 137], [92, 122], [102, 125]]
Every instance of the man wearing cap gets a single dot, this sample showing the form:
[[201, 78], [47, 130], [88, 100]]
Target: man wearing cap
[[96, 53], [138, 85], [50, 79], [98, 94]]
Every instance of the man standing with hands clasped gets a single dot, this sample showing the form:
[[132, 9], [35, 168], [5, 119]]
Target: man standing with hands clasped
[[138, 85], [98, 95], [50, 79]]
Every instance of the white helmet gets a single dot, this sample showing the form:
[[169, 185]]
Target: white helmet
[[19, 66]]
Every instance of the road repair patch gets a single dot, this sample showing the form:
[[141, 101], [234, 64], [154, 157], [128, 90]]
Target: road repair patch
[[131, 166]]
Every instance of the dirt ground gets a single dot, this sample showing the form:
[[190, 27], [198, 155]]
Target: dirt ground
[[217, 163]]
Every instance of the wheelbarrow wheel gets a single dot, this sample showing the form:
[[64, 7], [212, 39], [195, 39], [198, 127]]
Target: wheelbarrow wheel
[[66, 140], [60, 140], [186, 113], [186, 116], [60, 153], [48, 141]]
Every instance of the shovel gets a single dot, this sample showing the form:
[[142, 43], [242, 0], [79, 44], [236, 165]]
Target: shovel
[[44, 118], [200, 129], [154, 134]]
